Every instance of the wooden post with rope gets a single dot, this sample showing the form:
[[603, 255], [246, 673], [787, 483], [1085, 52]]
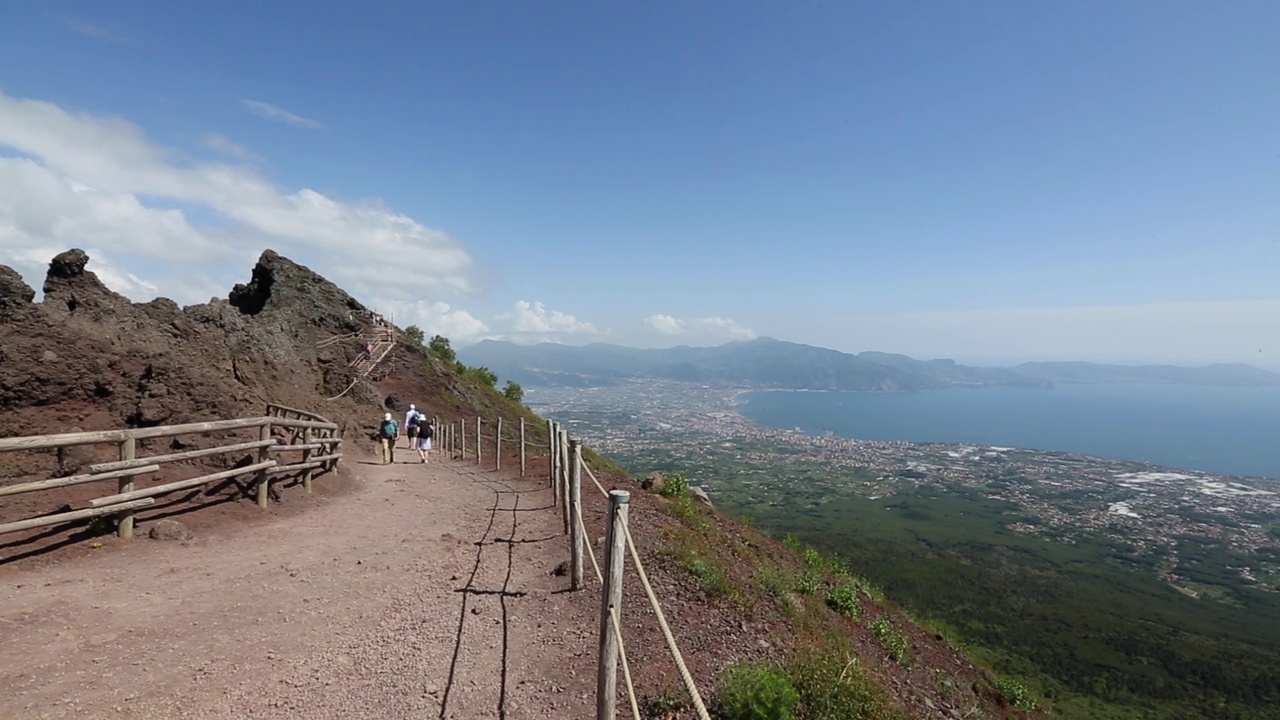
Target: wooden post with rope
[[124, 525], [575, 509], [564, 475], [521, 447], [611, 604], [497, 446], [479, 437], [552, 459], [462, 425]]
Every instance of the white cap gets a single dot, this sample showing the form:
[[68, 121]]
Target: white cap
[[388, 417], [411, 406]]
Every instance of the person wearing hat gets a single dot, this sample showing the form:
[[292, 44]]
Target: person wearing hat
[[412, 420], [388, 433]]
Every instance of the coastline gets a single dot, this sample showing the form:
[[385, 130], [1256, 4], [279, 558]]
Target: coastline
[[735, 403]]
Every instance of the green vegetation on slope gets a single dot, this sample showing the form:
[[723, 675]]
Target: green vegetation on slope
[[1084, 618]]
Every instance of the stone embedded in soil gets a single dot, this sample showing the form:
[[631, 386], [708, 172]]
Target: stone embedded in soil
[[170, 530]]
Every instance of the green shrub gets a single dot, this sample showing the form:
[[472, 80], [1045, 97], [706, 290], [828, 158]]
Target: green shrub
[[1018, 693], [812, 558], [832, 686], [792, 542], [843, 598], [674, 485], [757, 691], [894, 642], [512, 391], [809, 583]]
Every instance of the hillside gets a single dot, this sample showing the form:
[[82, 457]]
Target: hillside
[[768, 363], [86, 358]]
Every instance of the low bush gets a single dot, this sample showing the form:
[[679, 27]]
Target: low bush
[[843, 598], [757, 691], [1019, 695], [675, 485]]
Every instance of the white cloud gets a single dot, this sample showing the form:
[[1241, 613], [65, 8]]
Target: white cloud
[[223, 144], [77, 24], [708, 329], [90, 181], [434, 318], [271, 112], [534, 322]]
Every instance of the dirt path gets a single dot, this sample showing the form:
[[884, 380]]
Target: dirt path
[[428, 593]]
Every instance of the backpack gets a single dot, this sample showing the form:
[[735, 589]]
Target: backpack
[[425, 430], [388, 429], [415, 422]]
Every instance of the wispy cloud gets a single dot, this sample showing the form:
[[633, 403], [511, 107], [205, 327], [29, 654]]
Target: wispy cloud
[[89, 29], [223, 144], [271, 112]]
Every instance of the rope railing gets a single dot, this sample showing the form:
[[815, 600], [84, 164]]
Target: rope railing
[[565, 469]]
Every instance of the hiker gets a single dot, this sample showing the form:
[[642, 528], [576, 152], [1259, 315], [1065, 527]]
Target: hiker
[[388, 433], [412, 421], [426, 430]]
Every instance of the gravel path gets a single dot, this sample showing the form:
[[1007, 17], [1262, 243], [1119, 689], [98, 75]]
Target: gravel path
[[427, 593]]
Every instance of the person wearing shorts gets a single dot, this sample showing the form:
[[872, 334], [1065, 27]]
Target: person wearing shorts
[[412, 420], [425, 432]]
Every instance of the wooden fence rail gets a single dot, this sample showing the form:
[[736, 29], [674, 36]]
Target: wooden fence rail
[[305, 432]]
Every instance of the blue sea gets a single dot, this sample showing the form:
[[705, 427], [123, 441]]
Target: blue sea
[[1226, 430]]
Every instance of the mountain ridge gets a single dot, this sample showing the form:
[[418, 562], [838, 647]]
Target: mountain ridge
[[781, 364]]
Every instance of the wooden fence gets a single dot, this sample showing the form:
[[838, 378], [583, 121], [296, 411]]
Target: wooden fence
[[314, 437], [566, 469]]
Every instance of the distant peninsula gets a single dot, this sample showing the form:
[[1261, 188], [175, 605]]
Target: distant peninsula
[[778, 364]]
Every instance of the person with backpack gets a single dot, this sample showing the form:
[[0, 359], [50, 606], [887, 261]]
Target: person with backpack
[[388, 433], [426, 430], [412, 422]]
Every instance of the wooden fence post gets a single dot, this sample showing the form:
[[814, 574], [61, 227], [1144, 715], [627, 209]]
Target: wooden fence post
[[576, 538], [306, 457], [479, 437], [564, 475], [124, 525], [264, 454], [551, 462], [521, 447], [497, 446], [462, 425], [611, 601]]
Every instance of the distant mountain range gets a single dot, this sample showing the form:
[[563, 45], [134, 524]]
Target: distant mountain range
[[768, 363]]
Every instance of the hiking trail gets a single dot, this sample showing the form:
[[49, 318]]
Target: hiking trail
[[426, 593]]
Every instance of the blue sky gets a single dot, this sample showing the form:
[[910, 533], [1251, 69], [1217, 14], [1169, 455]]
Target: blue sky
[[989, 181]]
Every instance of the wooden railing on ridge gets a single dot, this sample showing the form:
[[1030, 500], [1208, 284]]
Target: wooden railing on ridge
[[373, 351], [565, 477], [310, 434]]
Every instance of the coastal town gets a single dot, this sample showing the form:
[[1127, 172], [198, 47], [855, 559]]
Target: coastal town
[[1152, 512]]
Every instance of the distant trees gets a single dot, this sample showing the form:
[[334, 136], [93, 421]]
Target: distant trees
[[512, 391], [440, 347], [415, 335]]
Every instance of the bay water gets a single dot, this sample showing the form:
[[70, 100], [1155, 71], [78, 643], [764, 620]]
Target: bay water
[[1229, 430]]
